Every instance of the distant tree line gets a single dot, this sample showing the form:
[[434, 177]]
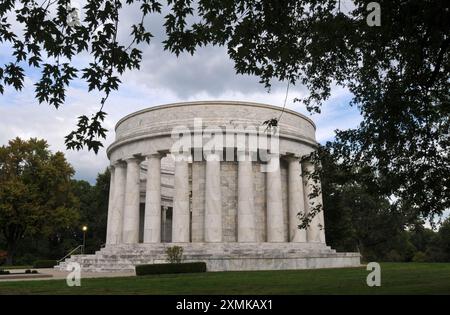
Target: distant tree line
[[359, 218], [92, 212], [42, 208]]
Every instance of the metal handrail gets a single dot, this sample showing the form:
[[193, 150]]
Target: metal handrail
[[71, 252]]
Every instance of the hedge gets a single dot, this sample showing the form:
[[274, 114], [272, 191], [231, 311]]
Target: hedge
[[45, 263], [30, 271], [142, 270]]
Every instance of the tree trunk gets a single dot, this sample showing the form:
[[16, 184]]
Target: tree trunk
[[11, 248], [13, 234]]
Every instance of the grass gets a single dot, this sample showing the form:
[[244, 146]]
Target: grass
[[396, 278]]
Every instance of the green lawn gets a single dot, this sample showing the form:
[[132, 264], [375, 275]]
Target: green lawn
[[396, 278]]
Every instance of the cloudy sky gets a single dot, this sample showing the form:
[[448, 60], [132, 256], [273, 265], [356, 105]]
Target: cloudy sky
[[163, 78]]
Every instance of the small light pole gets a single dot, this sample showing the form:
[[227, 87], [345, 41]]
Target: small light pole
[[84, 238]]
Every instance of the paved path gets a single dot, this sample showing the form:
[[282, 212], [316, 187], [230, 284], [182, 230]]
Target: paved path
[[52, 274]]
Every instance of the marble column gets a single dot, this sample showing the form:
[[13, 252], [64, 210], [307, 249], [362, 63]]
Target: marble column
[[296, 200], [213, 199], [181, 215], [116, 223], [316, 229], [152, 219], [131, 211], [275, 224], [198, 202], [164, 226], [110, 206], [246, 207]]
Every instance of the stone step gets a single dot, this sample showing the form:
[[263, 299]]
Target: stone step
[[217, 255], [120, 264], [199, 250]]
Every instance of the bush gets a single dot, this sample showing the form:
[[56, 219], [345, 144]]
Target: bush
[[142, 270], [4, 272], [45, 263], [419, 257], [26, 259], [174, 254], [28, 271], [393, 256], [3, 255]]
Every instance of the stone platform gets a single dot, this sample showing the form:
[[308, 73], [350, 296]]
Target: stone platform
[[218, 256]]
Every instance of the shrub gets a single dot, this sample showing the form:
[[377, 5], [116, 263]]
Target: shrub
[[3, 255], [4, 272], [26, 259], [419, 257], [45, 263], [142, 270], [30, 271], [393, 256], [174, 254]]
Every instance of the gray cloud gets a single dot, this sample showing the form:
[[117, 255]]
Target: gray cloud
[[209, 70], [163, 78]]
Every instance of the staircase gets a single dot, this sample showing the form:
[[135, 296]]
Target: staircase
[[218, 256]]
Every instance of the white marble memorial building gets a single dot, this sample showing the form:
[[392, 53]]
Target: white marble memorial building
[[210, 177]]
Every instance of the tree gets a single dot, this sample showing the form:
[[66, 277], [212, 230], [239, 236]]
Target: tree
[[444, 235], [397, 72], [439, 247], [93, 209], [357, 218], [101, 193], [35, 195], [421, 237]]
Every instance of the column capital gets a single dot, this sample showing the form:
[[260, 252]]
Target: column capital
[[308, 166], [154, 155], [158, 153], [291, 157], [306, 159], [118, 164], [135, 158]]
